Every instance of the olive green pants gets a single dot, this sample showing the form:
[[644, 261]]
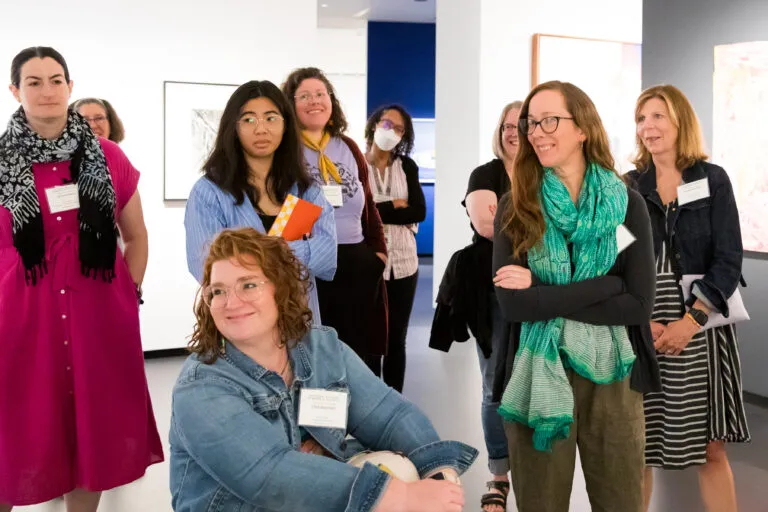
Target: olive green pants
[[609, 431]]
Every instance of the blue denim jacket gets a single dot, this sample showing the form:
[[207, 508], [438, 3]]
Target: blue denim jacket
[[704, 235], [235, 439]]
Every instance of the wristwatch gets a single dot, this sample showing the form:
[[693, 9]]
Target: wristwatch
[[699, 316]]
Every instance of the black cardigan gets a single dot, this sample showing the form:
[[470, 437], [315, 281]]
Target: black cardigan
[[416, 211], [624, 296]]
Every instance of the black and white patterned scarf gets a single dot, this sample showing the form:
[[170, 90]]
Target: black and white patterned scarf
[[20, 147]]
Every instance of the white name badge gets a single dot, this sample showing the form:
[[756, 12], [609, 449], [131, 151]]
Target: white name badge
[[63, 198], [381, 198], [333, 195], [624, 237], [323, 408], [693, 191]]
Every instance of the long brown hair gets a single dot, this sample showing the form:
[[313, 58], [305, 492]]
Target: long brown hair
[[337, 124], [280, 266], [522, 219], [690, 142]]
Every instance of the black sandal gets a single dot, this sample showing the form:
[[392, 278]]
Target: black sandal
[[495, 498]]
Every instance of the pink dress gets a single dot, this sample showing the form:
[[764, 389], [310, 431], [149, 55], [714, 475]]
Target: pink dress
[[75, 410]]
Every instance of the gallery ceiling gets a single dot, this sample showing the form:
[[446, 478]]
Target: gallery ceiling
[[411, 11]]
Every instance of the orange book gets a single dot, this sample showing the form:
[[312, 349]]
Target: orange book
[[295, 219]]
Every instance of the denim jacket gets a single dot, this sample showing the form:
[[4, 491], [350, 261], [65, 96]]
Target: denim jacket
[[704, 235], [235, 439]]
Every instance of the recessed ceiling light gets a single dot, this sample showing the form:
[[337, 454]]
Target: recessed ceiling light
[[323, 5]]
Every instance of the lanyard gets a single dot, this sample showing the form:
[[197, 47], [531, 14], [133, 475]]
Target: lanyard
[[385, 187]]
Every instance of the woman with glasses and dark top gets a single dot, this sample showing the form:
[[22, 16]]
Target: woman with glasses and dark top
[[573, 258], [700, 407], [401, 204], [102, 118], [255, 163], [354, 301], [487, 184], [263, 407], [75, 412]]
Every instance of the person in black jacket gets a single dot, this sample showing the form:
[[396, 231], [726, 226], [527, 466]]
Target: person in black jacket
[[394, 179], [696, 231]]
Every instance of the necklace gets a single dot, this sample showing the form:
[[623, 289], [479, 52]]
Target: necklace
[[285, 366]]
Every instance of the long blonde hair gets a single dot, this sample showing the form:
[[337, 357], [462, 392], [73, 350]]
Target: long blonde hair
[[522, 219], [690, 142]]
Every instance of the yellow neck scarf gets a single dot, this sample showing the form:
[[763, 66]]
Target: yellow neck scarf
[[325, 164]]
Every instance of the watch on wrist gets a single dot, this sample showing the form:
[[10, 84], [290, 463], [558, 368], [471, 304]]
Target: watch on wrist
[[699, 316]]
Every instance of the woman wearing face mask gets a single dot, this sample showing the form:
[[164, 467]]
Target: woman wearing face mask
[[255, 163], [75, 412], [354, 302], [583, 351], [692, 235], [401, 204], [102, 118], [487, 184]]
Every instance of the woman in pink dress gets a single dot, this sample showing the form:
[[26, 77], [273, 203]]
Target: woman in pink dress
[[75, 413]]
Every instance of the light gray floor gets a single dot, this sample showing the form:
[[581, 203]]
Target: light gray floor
[[447, 387]]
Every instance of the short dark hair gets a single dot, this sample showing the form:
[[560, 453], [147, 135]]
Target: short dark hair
[[30, 53], [226, 166], [337, 124], [405, 146], [116, 129]]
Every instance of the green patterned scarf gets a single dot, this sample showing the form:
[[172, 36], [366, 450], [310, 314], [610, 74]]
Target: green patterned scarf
[[539, 394]]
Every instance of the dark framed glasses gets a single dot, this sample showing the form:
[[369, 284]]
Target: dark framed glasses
[[548, 125]]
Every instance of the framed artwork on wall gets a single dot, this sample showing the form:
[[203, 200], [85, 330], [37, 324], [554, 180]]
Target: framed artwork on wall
[[191, 115], [740, 95], [608, 71]]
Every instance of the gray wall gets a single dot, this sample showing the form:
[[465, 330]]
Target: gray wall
[[678, 48]]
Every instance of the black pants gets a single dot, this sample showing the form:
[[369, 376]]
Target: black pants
[[400, 295]]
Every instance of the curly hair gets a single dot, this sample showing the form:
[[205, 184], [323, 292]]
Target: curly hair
[[337, 124], [405, 146], [281, 268]]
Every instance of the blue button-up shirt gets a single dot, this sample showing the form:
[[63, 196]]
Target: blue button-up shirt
[[211, 210], [235, 439]]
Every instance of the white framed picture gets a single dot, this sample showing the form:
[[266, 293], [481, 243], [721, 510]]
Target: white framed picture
[[191, 115]]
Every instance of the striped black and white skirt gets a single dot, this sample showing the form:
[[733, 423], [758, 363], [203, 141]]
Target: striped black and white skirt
[[701, 398]]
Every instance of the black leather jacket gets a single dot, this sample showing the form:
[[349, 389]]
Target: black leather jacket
[[705, 236]]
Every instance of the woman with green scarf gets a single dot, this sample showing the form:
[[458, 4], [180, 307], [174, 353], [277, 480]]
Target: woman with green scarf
[[574, 270]]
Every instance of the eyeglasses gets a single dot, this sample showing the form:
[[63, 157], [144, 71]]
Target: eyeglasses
[[96, 119], [389, 125], [270, 123], [247, 290], [548, 124], [305, 97], [509, 127]]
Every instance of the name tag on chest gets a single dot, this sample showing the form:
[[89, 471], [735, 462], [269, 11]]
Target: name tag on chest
[[693, 191], [333, 195], [624, 238], [63, 198], [323, 408]]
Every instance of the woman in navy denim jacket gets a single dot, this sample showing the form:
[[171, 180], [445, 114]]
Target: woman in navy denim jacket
[[695, 226], [236, 439]]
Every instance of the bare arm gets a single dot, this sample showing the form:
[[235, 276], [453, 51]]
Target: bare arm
[[479, 207], [134, 234]]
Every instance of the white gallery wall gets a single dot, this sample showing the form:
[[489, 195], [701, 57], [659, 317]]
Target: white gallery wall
[[483, 63], [123, 50]]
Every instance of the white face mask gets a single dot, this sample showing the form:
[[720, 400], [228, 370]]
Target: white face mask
[[386, 139]]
